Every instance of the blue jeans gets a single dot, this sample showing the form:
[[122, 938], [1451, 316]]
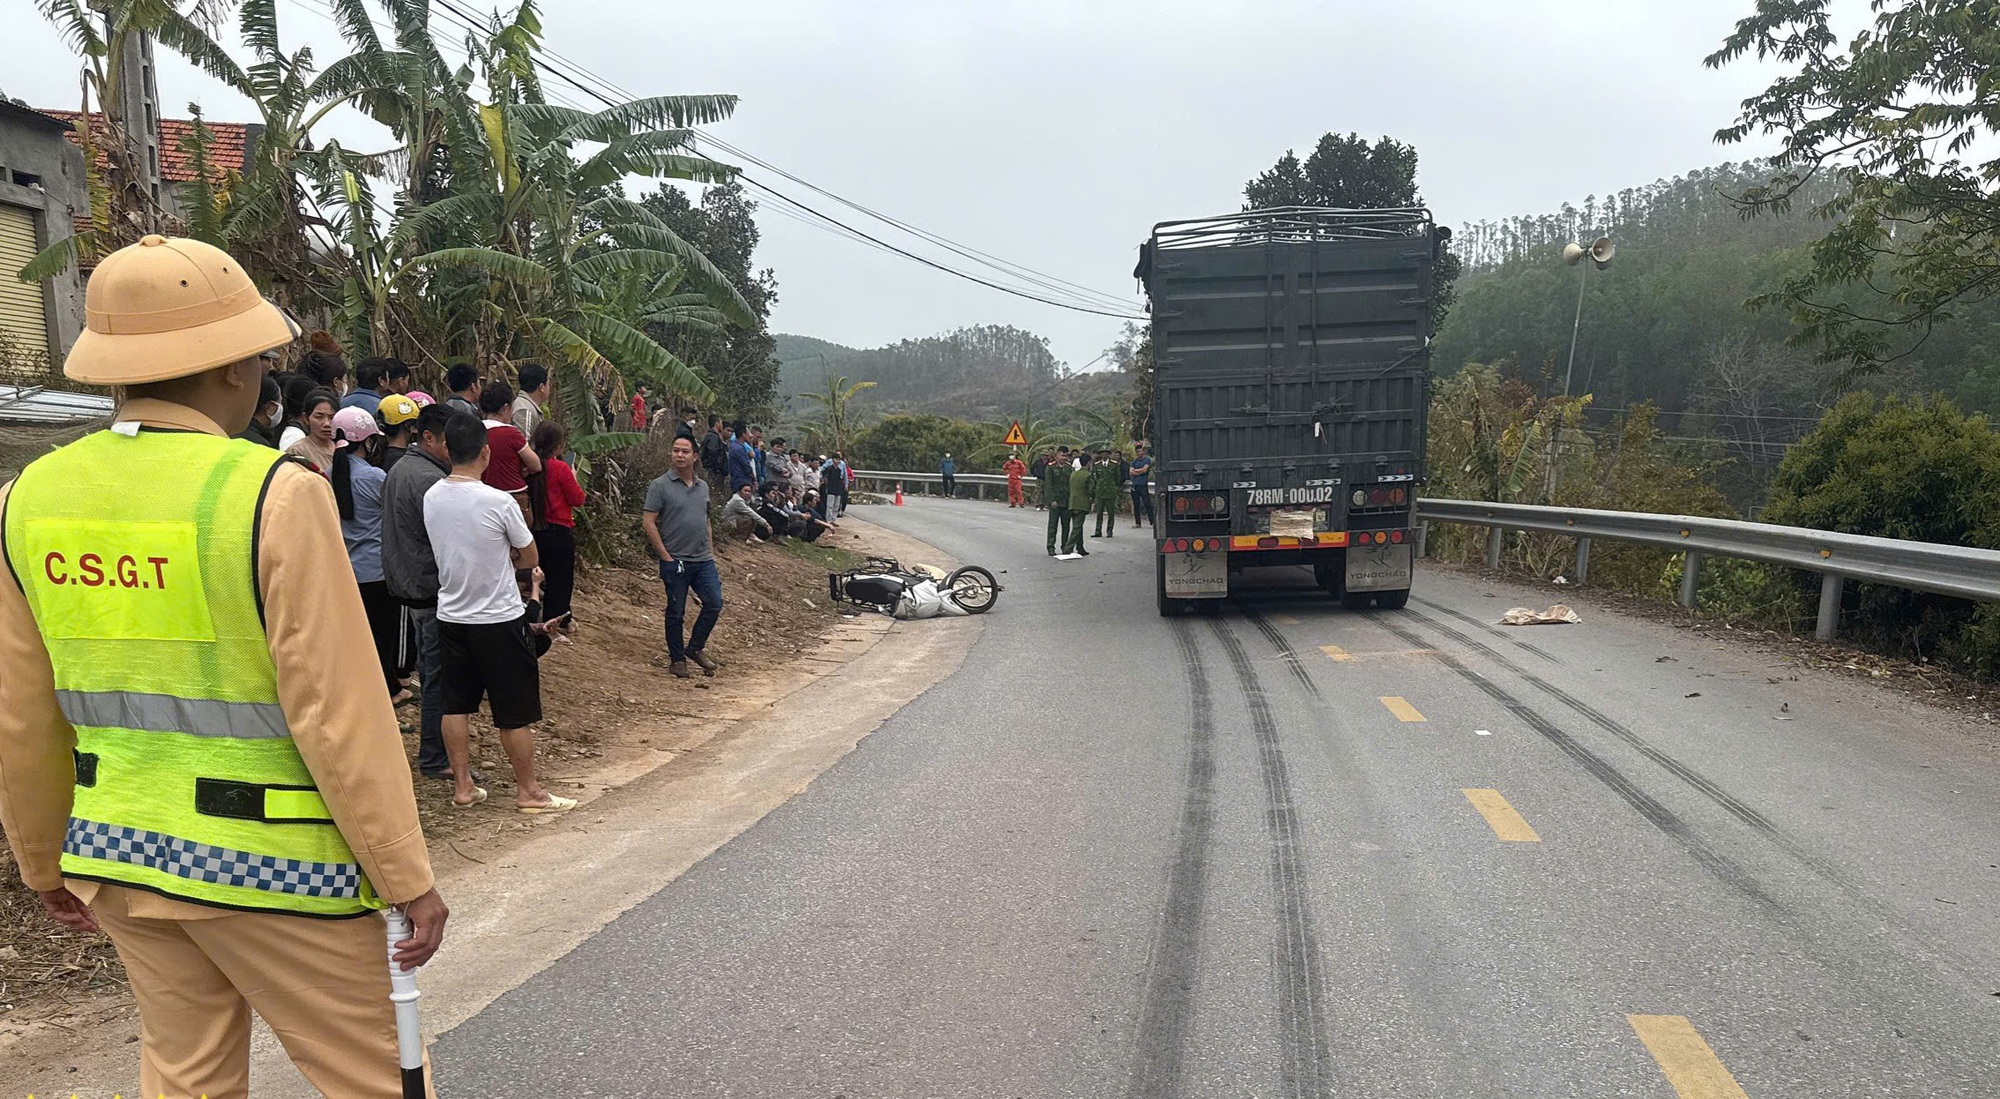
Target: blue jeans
[[705, 580], [431, 759]]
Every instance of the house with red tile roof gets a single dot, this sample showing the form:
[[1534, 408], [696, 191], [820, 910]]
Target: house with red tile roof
[[231, 151]]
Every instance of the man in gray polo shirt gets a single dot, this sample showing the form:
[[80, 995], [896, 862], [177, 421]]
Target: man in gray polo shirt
[[676, 524]]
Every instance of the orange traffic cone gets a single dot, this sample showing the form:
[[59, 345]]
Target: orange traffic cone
[[899, 494]]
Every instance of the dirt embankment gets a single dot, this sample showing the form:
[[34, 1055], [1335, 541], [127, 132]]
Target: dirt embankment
[[612, 712]]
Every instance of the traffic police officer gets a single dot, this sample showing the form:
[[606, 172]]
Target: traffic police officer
[[188, 757], [1080, 487], [1107, 484], [1055, 492]]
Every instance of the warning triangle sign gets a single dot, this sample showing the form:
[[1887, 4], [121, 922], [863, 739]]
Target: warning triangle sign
[[1015, 437]]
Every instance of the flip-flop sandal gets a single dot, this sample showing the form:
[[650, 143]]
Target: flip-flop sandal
[[478, 795], [556, 804]]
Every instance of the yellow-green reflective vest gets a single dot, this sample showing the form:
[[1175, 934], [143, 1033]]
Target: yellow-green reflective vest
[[138, 555]]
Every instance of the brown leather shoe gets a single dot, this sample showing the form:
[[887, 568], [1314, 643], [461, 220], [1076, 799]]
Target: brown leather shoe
[[680, 670], [707, 662]]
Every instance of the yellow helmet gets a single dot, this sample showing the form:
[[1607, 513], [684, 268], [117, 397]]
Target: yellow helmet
[[168, 307]]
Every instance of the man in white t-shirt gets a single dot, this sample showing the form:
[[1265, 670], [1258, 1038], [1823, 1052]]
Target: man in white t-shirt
[[480, 540]]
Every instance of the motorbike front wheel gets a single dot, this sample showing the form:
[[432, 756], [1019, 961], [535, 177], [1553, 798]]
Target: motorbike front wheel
[[973, 589]]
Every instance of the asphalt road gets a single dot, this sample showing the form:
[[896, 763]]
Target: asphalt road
[[1287, 850]]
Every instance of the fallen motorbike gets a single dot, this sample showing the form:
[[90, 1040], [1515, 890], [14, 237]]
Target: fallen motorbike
[[883, 584]]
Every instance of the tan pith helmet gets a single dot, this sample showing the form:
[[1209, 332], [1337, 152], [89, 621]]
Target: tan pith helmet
[[168, 307]]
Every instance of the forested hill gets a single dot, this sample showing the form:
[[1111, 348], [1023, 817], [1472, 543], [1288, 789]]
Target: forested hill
[[971, 373], [1667, 321]]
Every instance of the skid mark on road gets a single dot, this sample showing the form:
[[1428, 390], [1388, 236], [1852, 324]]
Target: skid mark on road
[[1527, 646], [1601, 769], [1506, 822], [1736, 808], [1299, 973], [1166, 1015], [1285, 652], [1689, 1064]]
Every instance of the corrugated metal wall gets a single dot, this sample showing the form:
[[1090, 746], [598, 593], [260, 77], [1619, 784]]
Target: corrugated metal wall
[[21, 314], [1257, 344]]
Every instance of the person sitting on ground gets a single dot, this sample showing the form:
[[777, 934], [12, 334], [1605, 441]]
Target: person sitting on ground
[[787, 520], [740, 518], [814, 505], [480, 540]]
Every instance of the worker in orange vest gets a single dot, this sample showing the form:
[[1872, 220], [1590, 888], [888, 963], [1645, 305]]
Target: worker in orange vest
[[1015, 469]]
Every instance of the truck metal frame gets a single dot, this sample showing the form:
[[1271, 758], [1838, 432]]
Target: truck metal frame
[[1291, 353]]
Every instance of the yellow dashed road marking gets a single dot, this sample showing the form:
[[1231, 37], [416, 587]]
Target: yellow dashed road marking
[[1403, 710], [1507, 823], [1690, 1066], [1337, 653], [1284, 620]]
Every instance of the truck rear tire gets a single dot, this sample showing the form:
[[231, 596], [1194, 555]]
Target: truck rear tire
[[1169, 608], [1392, 600], [1350, 600]]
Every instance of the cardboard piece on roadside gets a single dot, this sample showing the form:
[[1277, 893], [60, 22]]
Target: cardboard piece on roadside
[[1558, 615]]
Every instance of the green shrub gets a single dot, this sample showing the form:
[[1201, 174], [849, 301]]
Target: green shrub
[[1912, 469]]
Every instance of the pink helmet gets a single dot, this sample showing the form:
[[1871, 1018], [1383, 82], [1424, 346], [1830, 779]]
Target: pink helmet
[[354, 425], [423, 399]]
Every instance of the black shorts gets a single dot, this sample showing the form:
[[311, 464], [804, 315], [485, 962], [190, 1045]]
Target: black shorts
[[496, 663]]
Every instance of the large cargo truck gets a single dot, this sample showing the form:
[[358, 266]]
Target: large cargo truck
[[1291, 361]]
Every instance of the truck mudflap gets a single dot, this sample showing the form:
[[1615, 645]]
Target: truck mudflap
[[1194, 568], [1379, 567]]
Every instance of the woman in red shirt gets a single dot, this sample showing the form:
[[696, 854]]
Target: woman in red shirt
[[511, 459], [556, 540]]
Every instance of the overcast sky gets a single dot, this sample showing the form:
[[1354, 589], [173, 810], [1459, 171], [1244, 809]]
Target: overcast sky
[[1054, 133]]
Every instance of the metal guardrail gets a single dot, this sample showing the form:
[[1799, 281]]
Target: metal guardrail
[[979, 481], [1921, 566]]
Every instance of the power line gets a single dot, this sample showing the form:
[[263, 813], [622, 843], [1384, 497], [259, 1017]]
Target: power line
[[829, 219], [1082, 298]]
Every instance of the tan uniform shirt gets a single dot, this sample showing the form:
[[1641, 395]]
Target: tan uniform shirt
[[329, 683]]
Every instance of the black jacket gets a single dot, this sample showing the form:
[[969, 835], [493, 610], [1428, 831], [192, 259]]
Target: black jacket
[[715, 454]]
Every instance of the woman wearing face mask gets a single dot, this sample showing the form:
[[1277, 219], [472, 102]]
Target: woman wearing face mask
[[314, 443]]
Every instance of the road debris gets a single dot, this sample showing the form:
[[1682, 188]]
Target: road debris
[[1558, 615]]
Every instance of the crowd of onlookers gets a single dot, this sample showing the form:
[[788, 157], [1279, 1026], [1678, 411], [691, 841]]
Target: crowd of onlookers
[[459, 519], [459, 516]]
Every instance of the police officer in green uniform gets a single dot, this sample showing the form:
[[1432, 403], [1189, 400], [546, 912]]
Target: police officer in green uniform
[[1055, 490], [1107, 481], [1081, 488]]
